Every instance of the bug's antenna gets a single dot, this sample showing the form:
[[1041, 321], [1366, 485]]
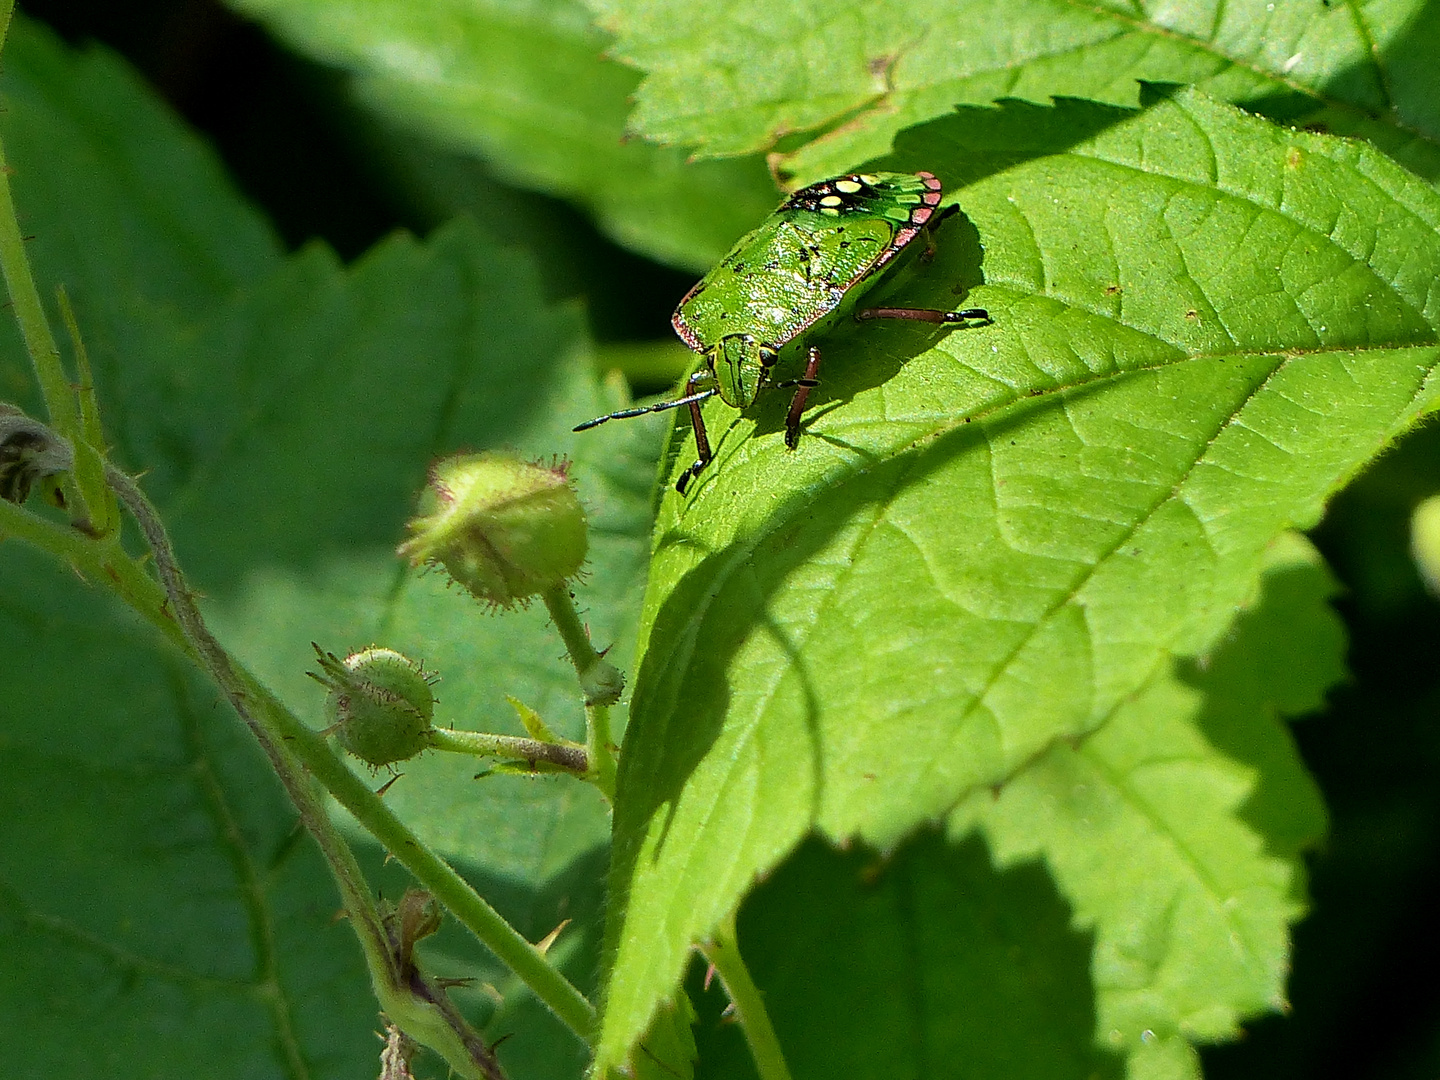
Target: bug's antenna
[[626, 414]]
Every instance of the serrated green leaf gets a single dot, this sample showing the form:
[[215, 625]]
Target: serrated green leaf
[[1010, 971], [1202, 325], [523, 84], [1175, 830], [288, 409], [736, 77]]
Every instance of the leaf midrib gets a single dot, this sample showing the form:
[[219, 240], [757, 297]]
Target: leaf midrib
[[740, 553]]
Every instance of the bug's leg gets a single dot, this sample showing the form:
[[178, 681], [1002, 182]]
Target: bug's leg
[[702, 441], [931, 226], [929, 315], [803, 386], [702, 448]]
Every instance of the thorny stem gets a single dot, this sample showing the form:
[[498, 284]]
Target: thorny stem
[[601, 752], [59, 400], [723, 953], [55, 387], [282, 735], [294, 750]]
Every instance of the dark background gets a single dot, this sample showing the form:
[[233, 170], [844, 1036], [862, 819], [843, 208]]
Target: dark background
[[1366, 984]]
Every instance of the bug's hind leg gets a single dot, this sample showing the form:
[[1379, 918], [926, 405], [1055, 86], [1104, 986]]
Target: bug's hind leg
[[930, 226], [930, 315]]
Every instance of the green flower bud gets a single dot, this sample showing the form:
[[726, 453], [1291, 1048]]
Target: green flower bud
[[503, 528], [380, 705]]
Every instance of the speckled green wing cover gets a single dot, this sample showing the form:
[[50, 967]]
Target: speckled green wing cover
[[805, 267]]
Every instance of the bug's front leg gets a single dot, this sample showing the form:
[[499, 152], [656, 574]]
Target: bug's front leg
[[702, 441], [803, 386]]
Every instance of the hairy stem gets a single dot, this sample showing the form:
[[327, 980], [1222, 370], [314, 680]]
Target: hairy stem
[[20, 283], [601, 752], [723, 953], [293, 748], [559, 756], [287, 742]]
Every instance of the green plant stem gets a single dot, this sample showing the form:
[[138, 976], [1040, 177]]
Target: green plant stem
[[55, 388], [599, 749], [97, 560], [39, 343], [561, 606], [723, 953], [282, 734], [562, 756], [90, 444], [172, 611]]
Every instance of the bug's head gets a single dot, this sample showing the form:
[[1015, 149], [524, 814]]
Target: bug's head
[[739, 363]]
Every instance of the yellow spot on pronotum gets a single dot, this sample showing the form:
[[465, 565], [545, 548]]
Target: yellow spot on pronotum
[[867, 178], [849, 187], [832, 200]]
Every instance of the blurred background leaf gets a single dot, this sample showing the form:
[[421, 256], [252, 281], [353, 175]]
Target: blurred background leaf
[[524, 86], [287, 408]]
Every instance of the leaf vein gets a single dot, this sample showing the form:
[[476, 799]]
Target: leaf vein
[[250, 885]]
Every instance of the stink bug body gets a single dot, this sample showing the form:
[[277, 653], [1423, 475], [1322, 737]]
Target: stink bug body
[[788, 282]]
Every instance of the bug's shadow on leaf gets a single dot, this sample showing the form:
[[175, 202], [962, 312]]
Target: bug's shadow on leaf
[[977, 141]]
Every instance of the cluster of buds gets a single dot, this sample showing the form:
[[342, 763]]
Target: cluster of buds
[[504, 529]]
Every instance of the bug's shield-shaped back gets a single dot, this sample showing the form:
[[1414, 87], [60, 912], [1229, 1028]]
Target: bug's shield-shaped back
[[809, 262]]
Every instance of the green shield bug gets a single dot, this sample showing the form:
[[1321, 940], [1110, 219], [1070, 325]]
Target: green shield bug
[[788, 282]]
